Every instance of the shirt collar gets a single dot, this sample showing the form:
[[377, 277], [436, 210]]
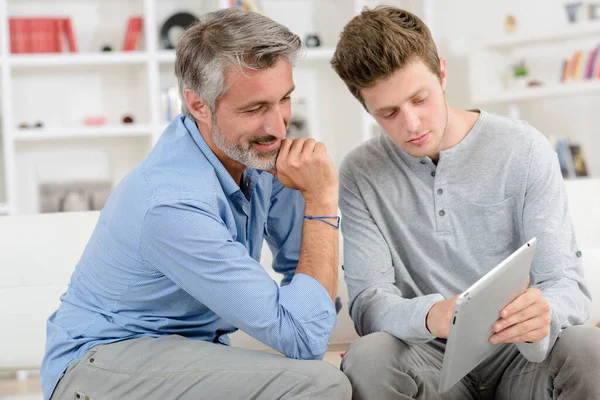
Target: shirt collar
[[227, 183]]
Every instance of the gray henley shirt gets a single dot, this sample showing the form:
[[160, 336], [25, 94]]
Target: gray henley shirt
[[416, 233]]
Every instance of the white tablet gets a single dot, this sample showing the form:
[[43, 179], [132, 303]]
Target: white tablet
[[477, 309]]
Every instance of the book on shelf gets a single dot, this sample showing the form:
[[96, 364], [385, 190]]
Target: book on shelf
[[171, 103], [41, 35], [570, 157], [133, 33]]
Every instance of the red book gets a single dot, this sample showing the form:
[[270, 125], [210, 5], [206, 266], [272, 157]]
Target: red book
[[128, 33], [135, 35], [70, 35], [12, 28], [59, 26]]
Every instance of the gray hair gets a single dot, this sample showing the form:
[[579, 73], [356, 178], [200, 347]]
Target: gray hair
[[226, 38]]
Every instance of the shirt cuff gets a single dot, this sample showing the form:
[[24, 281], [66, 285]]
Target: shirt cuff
[[418, 321], [537, 352], [310, 305]]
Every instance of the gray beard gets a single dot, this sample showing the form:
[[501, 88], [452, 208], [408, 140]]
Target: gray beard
[[244, 153]]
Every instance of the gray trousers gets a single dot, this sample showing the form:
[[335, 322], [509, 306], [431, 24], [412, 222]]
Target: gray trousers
[[173, 367], [382, 367]]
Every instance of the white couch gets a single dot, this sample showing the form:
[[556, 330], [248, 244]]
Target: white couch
[[38, 254]]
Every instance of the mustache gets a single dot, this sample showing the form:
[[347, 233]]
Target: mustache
[[263, 139]]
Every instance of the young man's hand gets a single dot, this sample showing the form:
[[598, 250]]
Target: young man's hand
[[525, 319], [439, 317], [304, 165]]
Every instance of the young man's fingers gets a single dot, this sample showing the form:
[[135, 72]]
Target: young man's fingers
[[510, 334], [531, 337], [534, 310], [521, 302]]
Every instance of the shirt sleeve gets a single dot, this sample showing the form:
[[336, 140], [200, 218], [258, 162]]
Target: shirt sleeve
[[189, 243], [376, 303], [557, 269], [283, 231]]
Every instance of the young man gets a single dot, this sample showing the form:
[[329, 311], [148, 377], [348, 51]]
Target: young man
[[430, 207], [173, 265]]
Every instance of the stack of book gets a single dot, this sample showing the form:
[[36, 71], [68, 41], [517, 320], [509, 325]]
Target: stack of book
[[41, 35], [570, 157], [581, 65]]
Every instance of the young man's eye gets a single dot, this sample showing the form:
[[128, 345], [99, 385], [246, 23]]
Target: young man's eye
[[390, 115], [420, 101], [286, 98]]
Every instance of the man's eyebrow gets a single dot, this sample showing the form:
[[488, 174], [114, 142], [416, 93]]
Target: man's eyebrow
[[262, 102]]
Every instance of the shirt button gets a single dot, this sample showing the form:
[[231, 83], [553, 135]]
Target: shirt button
[[442, 213], [440, 191], [423, 161], [432, 173], [578, 254]]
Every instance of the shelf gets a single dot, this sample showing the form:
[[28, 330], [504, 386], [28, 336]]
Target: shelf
[[82, 132], [65, 59], [321, 53], [547, 91], [569, 33]]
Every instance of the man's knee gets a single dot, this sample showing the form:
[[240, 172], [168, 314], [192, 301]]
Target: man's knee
[[577, 354], [379, 359], [376, 350], [581, 342]]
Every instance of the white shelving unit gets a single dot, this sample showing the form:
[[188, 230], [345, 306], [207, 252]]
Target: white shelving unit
[[557, 109], [105, 131], [61, 90]]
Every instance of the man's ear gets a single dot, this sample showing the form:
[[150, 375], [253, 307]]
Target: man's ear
[[197, 106], [443, 72]]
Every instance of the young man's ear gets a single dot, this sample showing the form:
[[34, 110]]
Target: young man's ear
[[197, 106], [443, 73]]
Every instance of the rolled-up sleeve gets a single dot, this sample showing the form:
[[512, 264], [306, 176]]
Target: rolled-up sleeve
[[283, 231], [188, 243]]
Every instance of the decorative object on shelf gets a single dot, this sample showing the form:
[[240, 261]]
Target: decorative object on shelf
[[25, 125], [173, 28], [94, 121], [572, 10], [535, 83], [510, 24], [106, 48], [133, 33], [73, 196], [251, 5], [520, 75], [594, 11], [41, 35], [312, 40], [127, 119]]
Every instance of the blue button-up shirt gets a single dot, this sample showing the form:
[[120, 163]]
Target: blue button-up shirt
[[176, 250]]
